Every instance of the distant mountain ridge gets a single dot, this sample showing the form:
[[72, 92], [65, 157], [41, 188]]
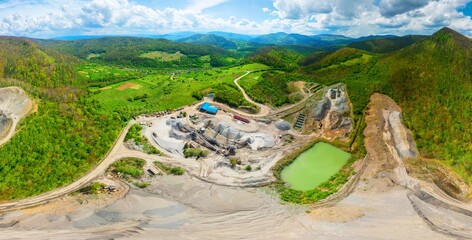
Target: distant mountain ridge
[[232, 41], [210, 39]]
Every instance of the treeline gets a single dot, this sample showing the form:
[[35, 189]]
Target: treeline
[[228, 94], [320, 60], [101, 75]]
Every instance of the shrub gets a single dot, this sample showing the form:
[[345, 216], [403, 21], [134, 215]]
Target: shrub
[[132, 167], [195, 152], [169, 169]]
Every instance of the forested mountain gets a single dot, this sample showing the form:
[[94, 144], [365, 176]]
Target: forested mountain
[[431, 80], [24, 60], [65, 137], [129, 51], [288, 39], [332, 38], [277, 57], [233, 36], [325, 59], [211, 40], [386, 44]]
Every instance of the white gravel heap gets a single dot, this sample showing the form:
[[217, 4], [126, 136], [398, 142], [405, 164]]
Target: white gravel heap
[[228, 131], [260, 140]]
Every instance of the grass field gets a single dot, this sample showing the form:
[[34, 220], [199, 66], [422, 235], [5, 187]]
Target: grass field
[[360, 60], [101, 75], [93, 55], [158, 91], [250, 80], [163, 56]]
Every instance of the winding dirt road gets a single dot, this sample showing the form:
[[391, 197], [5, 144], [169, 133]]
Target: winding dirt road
[[112, 156], [265, 110]]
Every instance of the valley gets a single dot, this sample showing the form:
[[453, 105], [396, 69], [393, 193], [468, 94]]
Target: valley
[[222, 140]]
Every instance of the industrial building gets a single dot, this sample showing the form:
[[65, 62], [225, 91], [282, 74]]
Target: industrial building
[[208, 108]]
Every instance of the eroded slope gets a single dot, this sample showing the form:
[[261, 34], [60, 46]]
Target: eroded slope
[[14, 105]]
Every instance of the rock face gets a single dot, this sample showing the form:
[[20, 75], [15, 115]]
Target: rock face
[[322, 108], [388, 143], [5, 124], [14, 105], [453, 185], [404, 143], [333, 109], [14, 101]]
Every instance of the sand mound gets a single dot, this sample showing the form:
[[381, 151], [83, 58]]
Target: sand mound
[[336, 214]]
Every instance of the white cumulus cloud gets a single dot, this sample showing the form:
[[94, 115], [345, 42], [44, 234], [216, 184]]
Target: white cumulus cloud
[[46, 18]]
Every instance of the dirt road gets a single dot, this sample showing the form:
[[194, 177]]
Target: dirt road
[[112, 156], [265, 110]]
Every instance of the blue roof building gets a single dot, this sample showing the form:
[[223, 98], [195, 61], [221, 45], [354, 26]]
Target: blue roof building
[[206, 107]]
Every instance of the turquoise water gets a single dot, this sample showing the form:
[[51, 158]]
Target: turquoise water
[[314, 166]]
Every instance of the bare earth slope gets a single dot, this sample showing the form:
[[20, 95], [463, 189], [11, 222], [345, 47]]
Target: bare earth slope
[[14, 105], [388, 143]]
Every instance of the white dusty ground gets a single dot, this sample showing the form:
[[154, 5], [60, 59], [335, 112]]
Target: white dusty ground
[[185, 208], [263, 152]]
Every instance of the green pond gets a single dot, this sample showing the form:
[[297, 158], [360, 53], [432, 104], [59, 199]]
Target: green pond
[[314, 166]]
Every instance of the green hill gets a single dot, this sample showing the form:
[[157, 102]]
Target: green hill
[[128, 51], [211, 40], [431, 81], [277, 57], [386, 45], [24, 60], [65, 137]]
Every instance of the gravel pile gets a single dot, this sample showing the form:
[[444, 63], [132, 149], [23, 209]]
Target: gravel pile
[[283, 126]]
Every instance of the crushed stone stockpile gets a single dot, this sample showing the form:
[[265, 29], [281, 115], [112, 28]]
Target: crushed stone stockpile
[[14, 105]]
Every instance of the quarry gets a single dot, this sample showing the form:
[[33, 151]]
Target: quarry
[[228, 157], [240, 150]]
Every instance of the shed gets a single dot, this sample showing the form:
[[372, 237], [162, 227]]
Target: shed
[[206, 107]]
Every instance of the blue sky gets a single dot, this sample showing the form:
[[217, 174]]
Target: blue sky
[[51, 18]]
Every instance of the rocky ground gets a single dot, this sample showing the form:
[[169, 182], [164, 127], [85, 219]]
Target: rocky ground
[[14, 105]]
